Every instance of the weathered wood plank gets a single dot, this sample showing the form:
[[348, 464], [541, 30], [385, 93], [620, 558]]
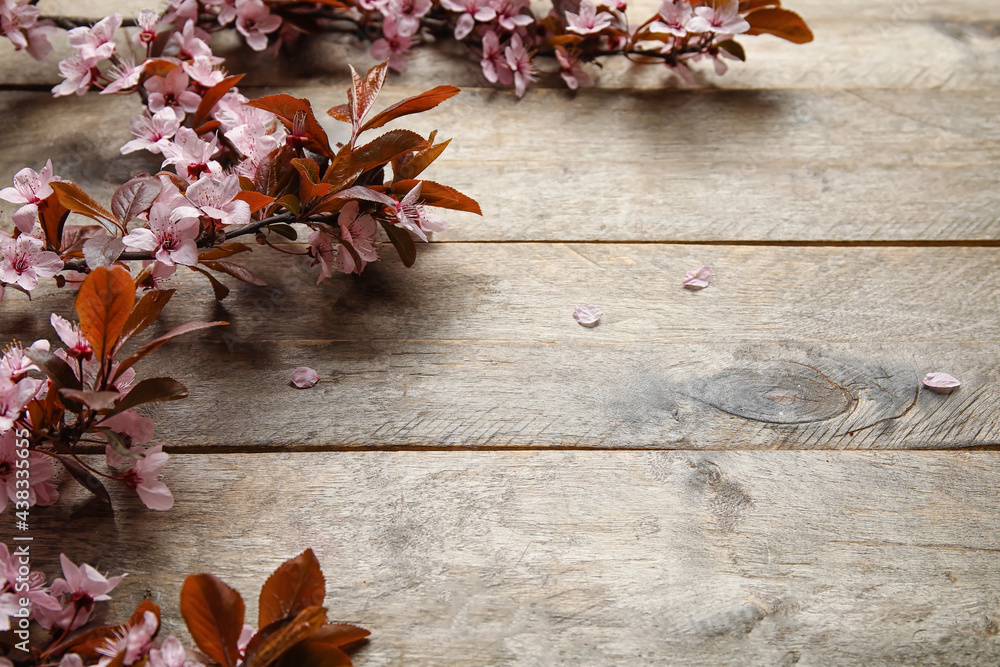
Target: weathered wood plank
[[800, 348], [734, 165], [585, 558], [875, 52]]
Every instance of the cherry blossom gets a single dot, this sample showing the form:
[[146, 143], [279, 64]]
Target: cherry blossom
[[190, 155], [323, 253], [181, 10], [76, 343], [78, 74], [124, 75], [95, 43], [471, 11], [519, 61], [152, 133], [172, 240], [589, 21], [189, 43], [570, 69], [40, 473], [510, 14], [149, 22], [941, 382], [675, 15], [587, 315], [132, 643], [393, 45], [304, 377], [12, 581], [15, 363], [23, 261], [203, 71], [78, 589], [71, 660], [494, 64], [415, 218], [214, 196], [142, 478], [407, 14], [30, 188], [171, 654], [171, 91], [357, 231], [254, 21], [698, 278], [19, 23], [724, 20]]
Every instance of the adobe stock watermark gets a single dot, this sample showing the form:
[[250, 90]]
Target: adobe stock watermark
[[21, 555]]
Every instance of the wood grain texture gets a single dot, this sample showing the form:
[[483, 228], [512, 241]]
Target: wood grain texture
[[476, 347], [769, 166], [582, 558]]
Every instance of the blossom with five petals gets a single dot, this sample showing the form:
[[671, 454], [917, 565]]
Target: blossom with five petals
[[30, 188]]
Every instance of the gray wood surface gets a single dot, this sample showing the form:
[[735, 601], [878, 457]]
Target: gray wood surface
[[577, 558]]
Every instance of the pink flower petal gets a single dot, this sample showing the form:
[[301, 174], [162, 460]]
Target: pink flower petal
[[941, 382], [587, 315], [698, 278], [304, 377]]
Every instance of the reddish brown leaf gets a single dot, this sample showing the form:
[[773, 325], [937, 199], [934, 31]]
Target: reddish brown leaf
[[363, 93], [339, 634], [219, 289], [256, 200], [308, 179], [102, 250], [436, 194], [151, 390], [271, 642], [212, 97], [780, 23], [296, 584], [52, 214], [411, 105], [75, 199], [223, 251], [402, 242], [235, 270], [341, 112], [414, 166], [145, 312], [213, 613], [313, 654], [103, 305], [135, 197], [205, 128], [155, 344], [344, 170], [285, 107], [139, 615]]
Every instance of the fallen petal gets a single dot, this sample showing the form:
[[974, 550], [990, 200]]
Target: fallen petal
[[698, 278], [304, 377], [587, 315], [941, 382]]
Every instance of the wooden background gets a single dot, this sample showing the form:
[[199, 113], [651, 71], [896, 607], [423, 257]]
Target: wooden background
[[749, 474]]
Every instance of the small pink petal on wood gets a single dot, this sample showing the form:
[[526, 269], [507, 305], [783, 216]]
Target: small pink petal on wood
[[698, 278], [941, 382], [587, 315], [304, 377]]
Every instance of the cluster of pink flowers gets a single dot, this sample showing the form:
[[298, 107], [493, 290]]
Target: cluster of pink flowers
[[19, 23]]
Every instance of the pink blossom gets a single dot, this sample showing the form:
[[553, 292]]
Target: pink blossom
[[171, 239], [494, 64], [226, 9], [415, 218], [95, 43], [357, 231], [79, 589], [189, 43], [304, 377], [78, 74], [675, 15], [725, 20], [321, 249], [149, 23], [124, 75], [71, 660], [408, 13], [588, 315], [393, 45], [203, 71], [509, 14], [171, 91], [941, 382], [133, 427], [23, 261], [570, 69], [171, 654], [142, 478], [214, 196], [14, 363], [132, 643], [76, 343], [698, 278], [190, 155], [152, 134], [181, 10], [471, 11], [30, 188], [589, 21], [519, 61], [254, 21], [40, 472], [19, 23]]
